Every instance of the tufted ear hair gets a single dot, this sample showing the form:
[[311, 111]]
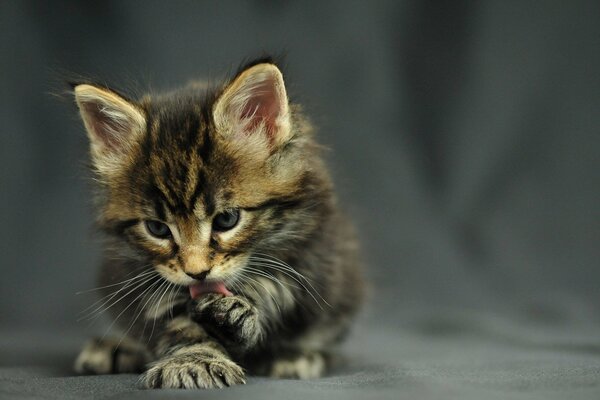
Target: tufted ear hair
[[255, 104], [113, 123]]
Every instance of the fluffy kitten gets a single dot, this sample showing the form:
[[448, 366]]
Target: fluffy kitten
[[225, 252]]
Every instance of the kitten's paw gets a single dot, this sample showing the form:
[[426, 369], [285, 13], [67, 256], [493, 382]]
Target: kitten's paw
[[191, 369], [232, 319], [303, 366], [111, 356]]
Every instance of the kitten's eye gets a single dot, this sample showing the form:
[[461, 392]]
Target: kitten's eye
[[226, 220], [158, 229]]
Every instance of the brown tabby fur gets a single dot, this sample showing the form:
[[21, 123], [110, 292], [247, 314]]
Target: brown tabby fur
[[291, 266]]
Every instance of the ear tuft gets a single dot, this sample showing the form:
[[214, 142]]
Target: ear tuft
[[112, 122], [255, 103]]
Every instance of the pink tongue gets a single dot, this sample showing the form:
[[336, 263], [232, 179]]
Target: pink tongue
[[200, 289]]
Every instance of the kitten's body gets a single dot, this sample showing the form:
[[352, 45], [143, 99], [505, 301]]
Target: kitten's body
[[274, 293]]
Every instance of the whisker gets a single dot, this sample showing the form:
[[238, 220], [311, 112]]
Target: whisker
[[171, 300], [130, 304], [285, 271], [154, 295], [100, 310], [107, 299], [112, 294], [156, 309], [270, 275], [93, 315], [139, 309], [118, 283], [310, 292], [265, 289], [276, 263], [236, 286]]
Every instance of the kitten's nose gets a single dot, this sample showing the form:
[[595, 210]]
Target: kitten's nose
[[199, 276]]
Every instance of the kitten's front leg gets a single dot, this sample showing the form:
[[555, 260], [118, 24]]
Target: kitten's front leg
[[190, 358], [233, 320]]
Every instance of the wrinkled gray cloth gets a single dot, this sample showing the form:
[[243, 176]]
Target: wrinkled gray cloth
[[464, 141], [441, 358]]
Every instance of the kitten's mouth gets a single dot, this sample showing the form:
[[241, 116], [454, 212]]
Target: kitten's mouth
[[201, 288]]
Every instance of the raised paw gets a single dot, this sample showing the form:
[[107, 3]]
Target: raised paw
[[111, 356], [231, 319], [193, 368]]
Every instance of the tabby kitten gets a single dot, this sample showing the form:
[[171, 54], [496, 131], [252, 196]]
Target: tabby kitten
[[225, 252]]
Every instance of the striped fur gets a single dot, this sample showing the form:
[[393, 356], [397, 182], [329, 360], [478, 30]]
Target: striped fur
[[291, 262]]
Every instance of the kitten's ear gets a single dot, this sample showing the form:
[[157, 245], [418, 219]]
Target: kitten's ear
[[255, 104], [113, 123]]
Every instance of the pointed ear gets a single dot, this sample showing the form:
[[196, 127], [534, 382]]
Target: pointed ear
[[255, 104], [113, 124]]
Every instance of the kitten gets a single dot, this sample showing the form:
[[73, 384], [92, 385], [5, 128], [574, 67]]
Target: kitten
[[225, 252]]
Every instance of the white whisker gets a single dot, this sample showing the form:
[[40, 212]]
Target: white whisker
[[139, 309], [171, 299], [112, 294], [151, 299], [265, 289], [103, 308], [130, 304], [269, 275], [118, 283], [156, 309], [286, 269]]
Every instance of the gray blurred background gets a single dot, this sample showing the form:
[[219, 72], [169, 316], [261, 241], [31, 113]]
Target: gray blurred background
[[464, 140]]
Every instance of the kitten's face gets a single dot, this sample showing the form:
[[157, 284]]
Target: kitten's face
[[193, 185], [196, 208]]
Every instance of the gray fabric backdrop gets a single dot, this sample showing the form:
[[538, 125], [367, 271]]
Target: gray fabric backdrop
[[465, 142]]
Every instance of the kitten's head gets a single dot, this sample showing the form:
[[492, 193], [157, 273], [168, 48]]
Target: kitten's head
[[195, 181]]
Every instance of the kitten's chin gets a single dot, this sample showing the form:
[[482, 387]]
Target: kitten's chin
[[201, 288]]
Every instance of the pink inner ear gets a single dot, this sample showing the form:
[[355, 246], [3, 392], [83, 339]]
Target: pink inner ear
[[102, 125], [264, 105]]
